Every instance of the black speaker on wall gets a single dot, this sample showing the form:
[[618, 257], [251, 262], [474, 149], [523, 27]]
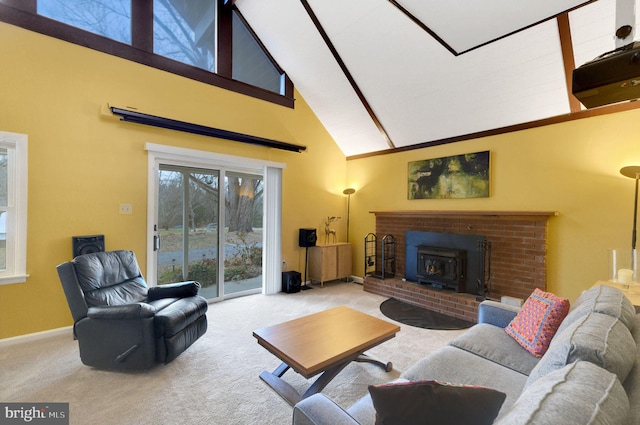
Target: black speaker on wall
[[87, 244], [308, 237]]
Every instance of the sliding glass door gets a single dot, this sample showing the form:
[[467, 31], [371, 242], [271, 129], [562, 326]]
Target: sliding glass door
[[243, 232], [200, 211]]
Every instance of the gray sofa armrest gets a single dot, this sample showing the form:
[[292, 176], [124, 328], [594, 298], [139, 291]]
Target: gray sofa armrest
[[496, 314], [320, 410]]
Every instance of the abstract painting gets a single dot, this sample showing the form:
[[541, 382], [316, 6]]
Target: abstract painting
[[459, 176]]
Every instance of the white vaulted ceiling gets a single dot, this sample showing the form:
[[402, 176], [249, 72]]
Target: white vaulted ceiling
[[442, 70]]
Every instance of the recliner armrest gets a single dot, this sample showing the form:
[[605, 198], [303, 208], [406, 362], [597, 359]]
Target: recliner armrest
[[174, 290], [127, 311], [496, 313], [318, 410]]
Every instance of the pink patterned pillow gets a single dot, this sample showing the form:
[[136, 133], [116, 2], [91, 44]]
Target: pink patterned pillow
[[537, 322]]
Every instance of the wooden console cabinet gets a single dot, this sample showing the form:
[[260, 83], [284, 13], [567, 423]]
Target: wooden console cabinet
[[329, 262]]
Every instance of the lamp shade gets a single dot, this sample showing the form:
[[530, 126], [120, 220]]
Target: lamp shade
[[632, 171]]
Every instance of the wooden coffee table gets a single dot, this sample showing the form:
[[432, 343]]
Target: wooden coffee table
[[325, 343]]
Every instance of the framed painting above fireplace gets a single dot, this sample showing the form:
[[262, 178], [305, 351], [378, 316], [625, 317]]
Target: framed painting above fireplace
[[459, 176]]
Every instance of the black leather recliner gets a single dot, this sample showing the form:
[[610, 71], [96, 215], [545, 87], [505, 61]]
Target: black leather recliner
[[120, 322]]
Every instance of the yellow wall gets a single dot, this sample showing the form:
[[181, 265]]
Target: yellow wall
[[572, 168], [82, 165]]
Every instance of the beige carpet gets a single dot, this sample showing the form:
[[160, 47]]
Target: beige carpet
[[216, 380]]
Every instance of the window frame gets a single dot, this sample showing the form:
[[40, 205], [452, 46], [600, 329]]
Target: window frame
[[16, 215], [23, 13]]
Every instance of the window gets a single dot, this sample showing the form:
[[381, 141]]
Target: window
[[205, 40], [110, 18], [251, 64], [13, 207], [185, 31]]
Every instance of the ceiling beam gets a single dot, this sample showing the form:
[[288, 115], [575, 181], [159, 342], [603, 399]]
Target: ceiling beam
[[582, 114], [453, 51], [566, 46], [425, 28], [347, 73]]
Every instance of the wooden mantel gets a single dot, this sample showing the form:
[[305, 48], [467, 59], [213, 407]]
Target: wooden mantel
[[507, 215]]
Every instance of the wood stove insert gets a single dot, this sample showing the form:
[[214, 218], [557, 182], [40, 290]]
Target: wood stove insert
[[442, 267]]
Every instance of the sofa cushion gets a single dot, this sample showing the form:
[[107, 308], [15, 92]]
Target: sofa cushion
[[422, 402], [452, 364], [503, 349], [537, 322], [601, 299], [600, 339], [579, 393]]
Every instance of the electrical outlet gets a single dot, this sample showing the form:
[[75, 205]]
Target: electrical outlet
[[126, 209]]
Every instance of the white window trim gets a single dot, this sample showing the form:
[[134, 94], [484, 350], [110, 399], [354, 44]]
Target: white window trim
[[272, 175], [16, 224]]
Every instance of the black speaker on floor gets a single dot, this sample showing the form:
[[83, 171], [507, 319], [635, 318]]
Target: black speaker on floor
[[291, 282], [87, 244], [308, 237]]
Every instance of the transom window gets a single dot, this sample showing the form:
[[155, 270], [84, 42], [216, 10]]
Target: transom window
[[206, 40], [185, 31], [110, 18]]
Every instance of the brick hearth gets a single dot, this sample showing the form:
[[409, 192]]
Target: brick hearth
[[518, 258]]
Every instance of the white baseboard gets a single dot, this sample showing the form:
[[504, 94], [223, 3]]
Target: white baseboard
[[357, 279], [6, 342]]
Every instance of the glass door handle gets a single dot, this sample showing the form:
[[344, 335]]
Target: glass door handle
[[156, 243]]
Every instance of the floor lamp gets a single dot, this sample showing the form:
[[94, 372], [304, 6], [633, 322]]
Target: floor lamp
[[633, 171], [350, 191]]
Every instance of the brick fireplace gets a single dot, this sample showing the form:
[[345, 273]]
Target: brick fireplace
[[518, 255]]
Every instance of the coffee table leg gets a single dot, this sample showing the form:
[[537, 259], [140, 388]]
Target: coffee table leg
[[286, 391], [280, 370], [279, 385], [291, 395], [323, 380], [388, 367]]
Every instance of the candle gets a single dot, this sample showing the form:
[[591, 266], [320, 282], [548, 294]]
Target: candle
[[625, 275]]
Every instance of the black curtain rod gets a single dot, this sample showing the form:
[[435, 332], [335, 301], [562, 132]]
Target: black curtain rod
[[155, 121]]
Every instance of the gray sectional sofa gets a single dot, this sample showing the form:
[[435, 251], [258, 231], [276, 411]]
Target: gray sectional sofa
[[589, 375]]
